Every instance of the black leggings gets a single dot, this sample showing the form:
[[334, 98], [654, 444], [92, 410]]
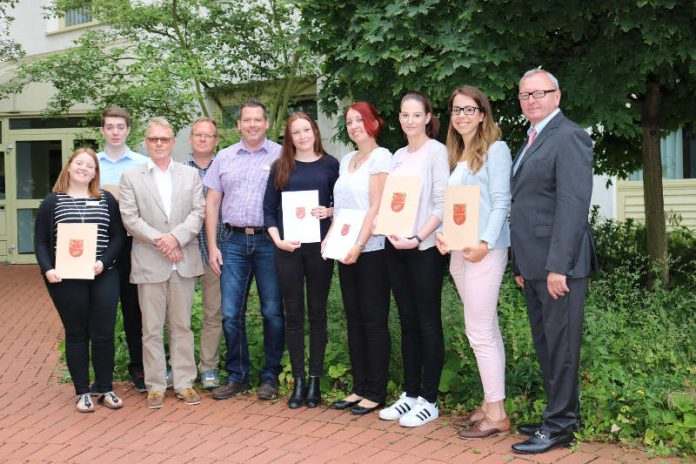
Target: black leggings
[[87, 309], [365, 290], [305, 264], [416, 280]]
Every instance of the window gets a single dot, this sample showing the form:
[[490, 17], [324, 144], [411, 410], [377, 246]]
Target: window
[[678, 152], [77, 16]]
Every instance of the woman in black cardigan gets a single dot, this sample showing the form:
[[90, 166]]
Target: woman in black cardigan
[[87, 308]]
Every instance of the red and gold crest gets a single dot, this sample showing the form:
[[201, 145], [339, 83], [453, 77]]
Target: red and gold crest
[[459, 213], [76, 247], [398, 201], [300, 212], [345, 229]]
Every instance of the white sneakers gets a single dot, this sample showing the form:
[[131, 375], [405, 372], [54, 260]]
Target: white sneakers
[[411, 412]]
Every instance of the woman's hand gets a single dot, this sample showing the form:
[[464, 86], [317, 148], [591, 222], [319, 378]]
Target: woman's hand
[[403, 243], [352, 255], [289, 245], [322, 212], [441, 244], [475, 254], [98, 268], [52, 276]]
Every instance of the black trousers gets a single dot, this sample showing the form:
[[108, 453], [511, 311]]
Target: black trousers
[[130, 308], [87, 309], [297, 269], [365, 290], [416, 280], [557, 332]]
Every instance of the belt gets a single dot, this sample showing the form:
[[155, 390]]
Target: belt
[[246, 230]]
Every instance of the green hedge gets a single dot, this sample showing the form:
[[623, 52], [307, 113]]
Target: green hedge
[[638, 366]]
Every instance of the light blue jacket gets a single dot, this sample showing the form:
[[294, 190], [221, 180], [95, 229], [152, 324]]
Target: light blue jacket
[[494, 180]]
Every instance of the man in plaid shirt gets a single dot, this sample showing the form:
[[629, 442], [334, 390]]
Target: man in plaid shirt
[[204, 139]]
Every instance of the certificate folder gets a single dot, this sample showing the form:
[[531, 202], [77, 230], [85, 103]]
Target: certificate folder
[[461, 216], [399, 206], [344, 234], [76, 250], [298, 222]]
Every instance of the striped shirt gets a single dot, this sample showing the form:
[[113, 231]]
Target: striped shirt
[[202, 238], [87, 210]]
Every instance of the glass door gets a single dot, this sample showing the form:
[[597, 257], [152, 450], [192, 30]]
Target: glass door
[[33, 162]]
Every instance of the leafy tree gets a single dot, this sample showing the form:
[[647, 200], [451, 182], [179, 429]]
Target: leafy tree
[[627, 68], [164, 58], [9, 49]]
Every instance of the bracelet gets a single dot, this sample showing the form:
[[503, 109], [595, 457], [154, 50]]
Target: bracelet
[[361, 245], [420, 240]]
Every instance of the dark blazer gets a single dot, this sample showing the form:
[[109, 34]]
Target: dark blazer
[[551, 193]]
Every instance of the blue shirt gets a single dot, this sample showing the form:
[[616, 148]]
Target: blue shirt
[[110, 171]]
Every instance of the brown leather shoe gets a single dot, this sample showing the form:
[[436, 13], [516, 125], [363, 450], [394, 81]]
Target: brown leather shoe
[[155, 399], [189, 396], [485, 428], [469, 418]]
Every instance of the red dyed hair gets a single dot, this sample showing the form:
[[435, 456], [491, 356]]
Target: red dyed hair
[[371, 119]]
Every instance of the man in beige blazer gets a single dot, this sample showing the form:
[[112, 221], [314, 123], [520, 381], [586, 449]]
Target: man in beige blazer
[[162, 207]]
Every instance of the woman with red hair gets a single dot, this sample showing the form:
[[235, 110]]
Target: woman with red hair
[[363, 271], [303, 165]]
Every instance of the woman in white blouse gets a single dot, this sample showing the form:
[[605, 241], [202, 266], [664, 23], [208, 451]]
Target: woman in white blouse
[[363, 271], [416, 269], [478, 157]]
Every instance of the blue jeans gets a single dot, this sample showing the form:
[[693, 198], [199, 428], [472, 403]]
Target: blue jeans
[[244, 257]]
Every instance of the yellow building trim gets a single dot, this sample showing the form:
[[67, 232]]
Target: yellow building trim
[[679, 196]]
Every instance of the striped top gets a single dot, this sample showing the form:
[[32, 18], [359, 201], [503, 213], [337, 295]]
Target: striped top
[[86, 210]]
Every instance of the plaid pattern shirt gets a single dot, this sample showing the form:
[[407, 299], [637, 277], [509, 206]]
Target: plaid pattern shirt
[[202, 239]]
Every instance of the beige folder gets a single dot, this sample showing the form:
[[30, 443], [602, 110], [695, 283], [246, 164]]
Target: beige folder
[[461, 216], [76, 251], [399, 206]]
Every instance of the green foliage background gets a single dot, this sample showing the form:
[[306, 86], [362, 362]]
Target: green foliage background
[[638, 358]]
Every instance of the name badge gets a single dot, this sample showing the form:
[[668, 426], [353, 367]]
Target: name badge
[[266, 167], [91, 203]]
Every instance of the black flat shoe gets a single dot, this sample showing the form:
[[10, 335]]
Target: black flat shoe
[[344, 404], [543, 441], [362, 410], [528, 429]]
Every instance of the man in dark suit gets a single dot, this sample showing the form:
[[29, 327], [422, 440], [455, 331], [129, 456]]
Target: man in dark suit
[[552, 248]]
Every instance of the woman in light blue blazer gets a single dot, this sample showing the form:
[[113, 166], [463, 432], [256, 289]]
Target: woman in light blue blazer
[[477, 157]]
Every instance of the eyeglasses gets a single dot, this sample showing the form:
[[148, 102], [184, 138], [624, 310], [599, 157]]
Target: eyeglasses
[[203, 136], [468, 110], [413, 116], [537, 94], [161, 140]]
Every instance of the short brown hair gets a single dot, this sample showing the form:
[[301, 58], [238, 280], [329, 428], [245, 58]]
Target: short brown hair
[[253, 104], [63, 182], [202, 120], [115, 112]]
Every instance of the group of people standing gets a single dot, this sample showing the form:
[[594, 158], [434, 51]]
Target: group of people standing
[[220, 217]]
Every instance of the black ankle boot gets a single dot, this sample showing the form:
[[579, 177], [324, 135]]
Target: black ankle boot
[[313, 392], [298, 393]]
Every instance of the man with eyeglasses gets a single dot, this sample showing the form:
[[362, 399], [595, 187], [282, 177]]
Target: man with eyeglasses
[[204, 139], [162, 206], [236, 184], [553, 254], [113, 162]]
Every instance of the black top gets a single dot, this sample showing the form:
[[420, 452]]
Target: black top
[[318, 175], [59, 207]]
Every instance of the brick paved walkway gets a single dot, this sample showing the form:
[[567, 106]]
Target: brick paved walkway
[[38, 421]]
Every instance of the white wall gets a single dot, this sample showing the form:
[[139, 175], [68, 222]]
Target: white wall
[[603, 196]]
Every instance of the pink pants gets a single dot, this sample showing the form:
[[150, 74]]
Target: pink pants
[[478, 285]]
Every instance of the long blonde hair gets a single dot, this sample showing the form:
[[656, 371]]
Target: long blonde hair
[[487, 133]]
